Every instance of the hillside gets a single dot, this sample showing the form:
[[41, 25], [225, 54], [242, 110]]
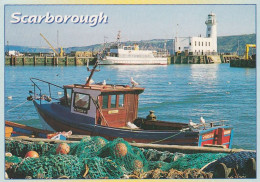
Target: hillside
[[226, 44], [229, 44]]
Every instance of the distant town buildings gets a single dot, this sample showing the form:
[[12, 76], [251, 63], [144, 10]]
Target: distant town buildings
[[14, 53], [199, 45]]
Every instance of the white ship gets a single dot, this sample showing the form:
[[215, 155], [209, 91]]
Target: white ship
[[132, 55]]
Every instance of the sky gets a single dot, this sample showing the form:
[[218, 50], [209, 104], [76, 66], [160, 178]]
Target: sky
[[136, 22]]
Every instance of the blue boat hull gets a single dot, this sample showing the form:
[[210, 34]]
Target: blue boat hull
[[60, 118]]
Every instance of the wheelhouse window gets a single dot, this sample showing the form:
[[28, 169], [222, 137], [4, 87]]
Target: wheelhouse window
[[68, 93], [66, 99], [113, 101], [105, 102], [121, 100], [81, 102]]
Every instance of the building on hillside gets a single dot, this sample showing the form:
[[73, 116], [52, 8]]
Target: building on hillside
[[199, 45]]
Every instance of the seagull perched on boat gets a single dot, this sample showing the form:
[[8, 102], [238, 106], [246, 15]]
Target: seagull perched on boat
[[191, 124], [104, 83], [91, 80], [134, 83], [203, 122]]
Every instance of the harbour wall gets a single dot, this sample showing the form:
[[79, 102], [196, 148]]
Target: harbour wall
[[201, 59], [48, 61], [243, 63], [195, 59], [75, 60]]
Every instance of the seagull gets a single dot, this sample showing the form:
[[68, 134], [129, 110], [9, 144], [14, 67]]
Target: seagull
[[203, 122], [131, 125], [91, 80], [191, 124], [134, 83], [104, 82]]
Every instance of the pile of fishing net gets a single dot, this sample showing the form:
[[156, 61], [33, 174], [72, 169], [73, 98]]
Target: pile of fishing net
[[21, 148], [98, 158]]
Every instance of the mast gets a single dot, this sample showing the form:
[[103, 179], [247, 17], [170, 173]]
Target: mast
[[91, 74]]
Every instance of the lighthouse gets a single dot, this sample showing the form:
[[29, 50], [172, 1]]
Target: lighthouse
[[211, 31], [199, 45]]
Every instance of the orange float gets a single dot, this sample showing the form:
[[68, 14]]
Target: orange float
[[121, 150], [63, 148], [32, 154]]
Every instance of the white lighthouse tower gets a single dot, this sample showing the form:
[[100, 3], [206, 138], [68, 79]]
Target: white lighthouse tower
[[211, 31]]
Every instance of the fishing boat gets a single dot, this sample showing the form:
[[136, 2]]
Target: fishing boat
[[111, 111], [118, 54]]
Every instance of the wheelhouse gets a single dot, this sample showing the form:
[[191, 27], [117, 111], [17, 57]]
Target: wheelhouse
[[107, 105]]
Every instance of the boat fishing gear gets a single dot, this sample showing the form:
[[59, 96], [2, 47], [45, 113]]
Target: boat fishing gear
[[98, 158]]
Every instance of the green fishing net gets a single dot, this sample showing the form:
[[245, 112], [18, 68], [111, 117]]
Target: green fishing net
[[88, 147], [193, 161], [125, 155], [97, 158], [105, 168], [21, 148], [13, 159], [155, 155], [53, 166]]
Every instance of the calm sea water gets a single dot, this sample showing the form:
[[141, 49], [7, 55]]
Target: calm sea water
[[175, 92]]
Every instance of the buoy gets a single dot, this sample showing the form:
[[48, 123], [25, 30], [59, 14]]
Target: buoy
[[63, 148], [8, 154], [32, 154], [169, 83], [189, 83], [120, 150], [10, 97]]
